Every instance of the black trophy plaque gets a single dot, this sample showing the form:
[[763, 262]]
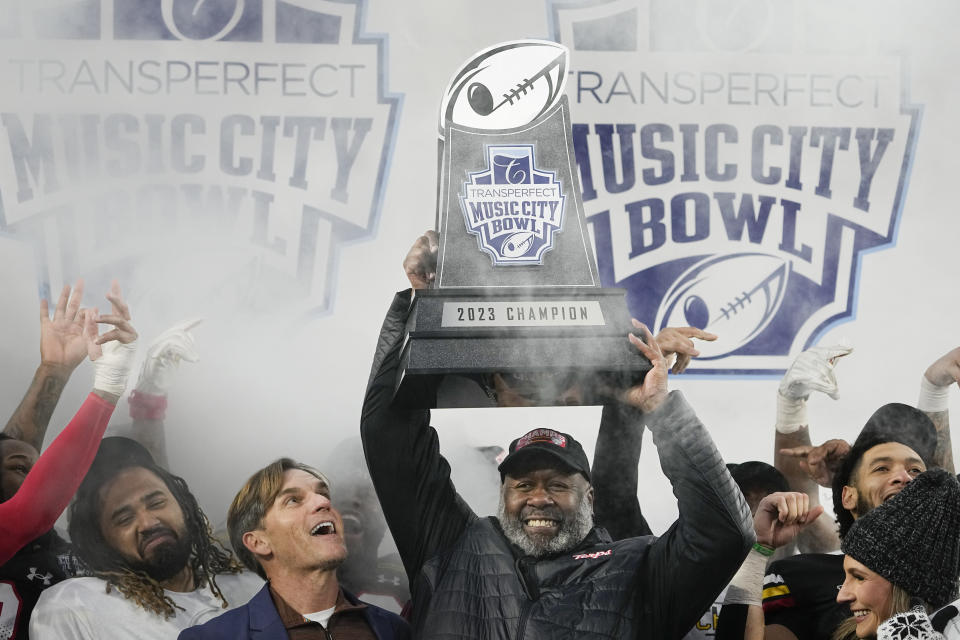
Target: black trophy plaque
[[517, 289]]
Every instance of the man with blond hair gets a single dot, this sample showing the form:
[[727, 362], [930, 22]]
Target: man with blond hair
[[283, 525]]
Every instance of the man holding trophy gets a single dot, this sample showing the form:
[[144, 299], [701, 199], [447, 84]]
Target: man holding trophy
[[515, 296]]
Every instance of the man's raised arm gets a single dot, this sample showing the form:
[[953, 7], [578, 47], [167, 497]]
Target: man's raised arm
[[802, 464], [412, 479], [689, 565], [148, 400], [934, 401], [62, 348], [616, 455]]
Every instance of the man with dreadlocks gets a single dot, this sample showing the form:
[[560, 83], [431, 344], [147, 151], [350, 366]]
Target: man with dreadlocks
[[155, 566]]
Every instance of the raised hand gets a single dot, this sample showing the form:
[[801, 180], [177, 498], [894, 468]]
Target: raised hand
[[821, 462], [61, 338], [651, 393], [946, 370], [813, 371], [420, 264], [780, 517], [113, 352], [164, 355], [678, 340]]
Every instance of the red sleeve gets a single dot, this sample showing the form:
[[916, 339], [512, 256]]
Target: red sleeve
[[51, 483]]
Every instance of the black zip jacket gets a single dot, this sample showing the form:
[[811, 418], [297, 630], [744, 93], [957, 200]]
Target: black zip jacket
[[467, 581]]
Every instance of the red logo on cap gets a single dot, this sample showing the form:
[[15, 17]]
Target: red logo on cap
[[542, 435]]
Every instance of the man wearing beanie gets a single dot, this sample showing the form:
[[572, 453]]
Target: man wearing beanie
[[540, 569], [903, 560]]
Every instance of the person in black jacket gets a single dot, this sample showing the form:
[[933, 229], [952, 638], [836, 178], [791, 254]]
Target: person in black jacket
[[541, 569]]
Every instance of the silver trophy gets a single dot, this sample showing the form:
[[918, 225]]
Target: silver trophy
[[517, 290]]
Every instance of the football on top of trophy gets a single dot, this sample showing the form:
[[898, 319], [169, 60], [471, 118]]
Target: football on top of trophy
[[505, 86]]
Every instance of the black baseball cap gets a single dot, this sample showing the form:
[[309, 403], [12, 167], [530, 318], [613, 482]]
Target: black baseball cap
[[561, 446], [894, 422], [758, 476]]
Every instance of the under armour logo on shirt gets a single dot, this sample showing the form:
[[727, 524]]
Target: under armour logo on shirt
[[34, 575]]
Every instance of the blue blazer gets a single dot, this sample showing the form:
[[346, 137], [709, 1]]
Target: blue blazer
[[259, 620]]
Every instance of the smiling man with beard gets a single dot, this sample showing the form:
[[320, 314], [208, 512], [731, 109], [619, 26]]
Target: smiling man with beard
[[155, 567], [540, 568], [546, 502]]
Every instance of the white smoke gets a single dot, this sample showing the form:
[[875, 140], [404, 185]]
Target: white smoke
[[273, 381]]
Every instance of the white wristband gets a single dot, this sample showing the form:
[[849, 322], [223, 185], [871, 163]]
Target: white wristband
[[791, 413], [747, 585], [933, 399], [111, 370]]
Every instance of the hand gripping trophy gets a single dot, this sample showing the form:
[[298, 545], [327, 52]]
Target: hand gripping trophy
[[516, 290]]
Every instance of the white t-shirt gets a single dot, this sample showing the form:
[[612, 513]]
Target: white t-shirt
[[79, 608], [321, 617]]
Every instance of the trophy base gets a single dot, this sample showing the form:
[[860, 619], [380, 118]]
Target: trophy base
[[522, 332]]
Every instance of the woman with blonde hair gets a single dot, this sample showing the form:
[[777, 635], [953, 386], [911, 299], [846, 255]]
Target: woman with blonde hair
[[902, 561]]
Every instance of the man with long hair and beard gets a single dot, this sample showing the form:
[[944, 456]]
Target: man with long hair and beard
[[35, 489], [155, 567]]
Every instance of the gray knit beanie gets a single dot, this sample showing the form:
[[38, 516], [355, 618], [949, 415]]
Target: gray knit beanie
[[913, 539]]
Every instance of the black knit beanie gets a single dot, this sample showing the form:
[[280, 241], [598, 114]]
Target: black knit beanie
[[913, 539]]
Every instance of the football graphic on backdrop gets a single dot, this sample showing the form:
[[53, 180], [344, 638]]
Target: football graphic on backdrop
[[734, 296], [506, 86]]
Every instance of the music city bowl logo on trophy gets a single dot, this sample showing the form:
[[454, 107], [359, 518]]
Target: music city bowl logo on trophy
[[736, 161], [517, 289], [513, 208]]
